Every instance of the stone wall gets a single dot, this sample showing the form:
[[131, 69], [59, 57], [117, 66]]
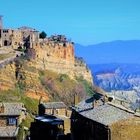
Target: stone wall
[[3, 121], [126, 130]]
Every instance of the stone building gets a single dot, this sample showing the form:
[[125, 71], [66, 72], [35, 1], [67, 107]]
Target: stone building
[[11, 116], [29, 34], [46, 127], [97, 119], [11, 38], [17, 37], [53, 108]]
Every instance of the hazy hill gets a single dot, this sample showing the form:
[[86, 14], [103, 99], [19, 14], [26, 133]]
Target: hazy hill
[[115, 65], [110, 52], [116, 76]]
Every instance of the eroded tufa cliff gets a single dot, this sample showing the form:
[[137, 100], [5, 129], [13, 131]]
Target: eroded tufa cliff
[[60, 58], [48, 69]]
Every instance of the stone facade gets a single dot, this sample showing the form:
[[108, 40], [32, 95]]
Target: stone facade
[[53, 108], [56, 112], [11, 116], [18, 37], [11, 38], [3, 121], [126, 130]]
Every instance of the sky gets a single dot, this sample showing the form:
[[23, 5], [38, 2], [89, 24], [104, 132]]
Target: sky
[[82, 21]]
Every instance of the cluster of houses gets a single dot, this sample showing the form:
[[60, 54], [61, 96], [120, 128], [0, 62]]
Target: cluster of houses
[[48, 123], [98, 117], [11, 116], [25, 36], [104, 118], [17, 37]]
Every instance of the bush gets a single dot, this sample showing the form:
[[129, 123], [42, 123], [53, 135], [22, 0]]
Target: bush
[[42, 35], [63, 77]]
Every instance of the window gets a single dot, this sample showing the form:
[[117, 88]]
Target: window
[[12, 121], [5, 43]]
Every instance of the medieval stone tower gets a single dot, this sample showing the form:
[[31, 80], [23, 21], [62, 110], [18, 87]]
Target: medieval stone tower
[[1, 27]]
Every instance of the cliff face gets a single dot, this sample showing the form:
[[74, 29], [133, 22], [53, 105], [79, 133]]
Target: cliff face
[[60, 58], [49, 70], [32, 82], [7, 77]]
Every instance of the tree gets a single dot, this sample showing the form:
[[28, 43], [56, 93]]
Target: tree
[[42, 35]]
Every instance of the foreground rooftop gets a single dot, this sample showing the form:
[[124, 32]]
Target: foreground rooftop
[[105, 113], [54, 105], [11, 109]]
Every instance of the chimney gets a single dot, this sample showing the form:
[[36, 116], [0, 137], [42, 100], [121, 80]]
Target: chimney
[[40, 100], [95, 103], [2, 108], [76, 99]]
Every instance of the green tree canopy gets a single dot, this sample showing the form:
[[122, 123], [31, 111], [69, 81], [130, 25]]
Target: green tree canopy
[[42, 35]]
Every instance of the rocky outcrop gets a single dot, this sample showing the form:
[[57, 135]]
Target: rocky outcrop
[[59, 57], [48, 69]]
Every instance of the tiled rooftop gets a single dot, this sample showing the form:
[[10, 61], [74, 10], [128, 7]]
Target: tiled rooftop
[[106, 114], [11, 109], [54, 105], [8, 131]]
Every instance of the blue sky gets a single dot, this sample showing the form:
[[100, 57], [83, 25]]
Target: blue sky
[[83, 21]]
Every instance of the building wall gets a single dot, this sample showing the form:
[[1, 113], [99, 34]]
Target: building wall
[[86, 129], [57, 112], [126, 129], [16, 39], [61, 112], [3, 121], [6, 37]]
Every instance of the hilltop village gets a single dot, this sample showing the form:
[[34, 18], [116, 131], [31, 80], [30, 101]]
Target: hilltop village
[[54, 53], [46, 92]]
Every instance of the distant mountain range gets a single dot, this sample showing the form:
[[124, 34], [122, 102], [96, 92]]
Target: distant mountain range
[[115, 65], [110, 52], [116, 76]]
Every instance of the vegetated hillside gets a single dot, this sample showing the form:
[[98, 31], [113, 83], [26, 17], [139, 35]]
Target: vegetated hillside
[[21, 81], [109, 52], [116, 76]]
